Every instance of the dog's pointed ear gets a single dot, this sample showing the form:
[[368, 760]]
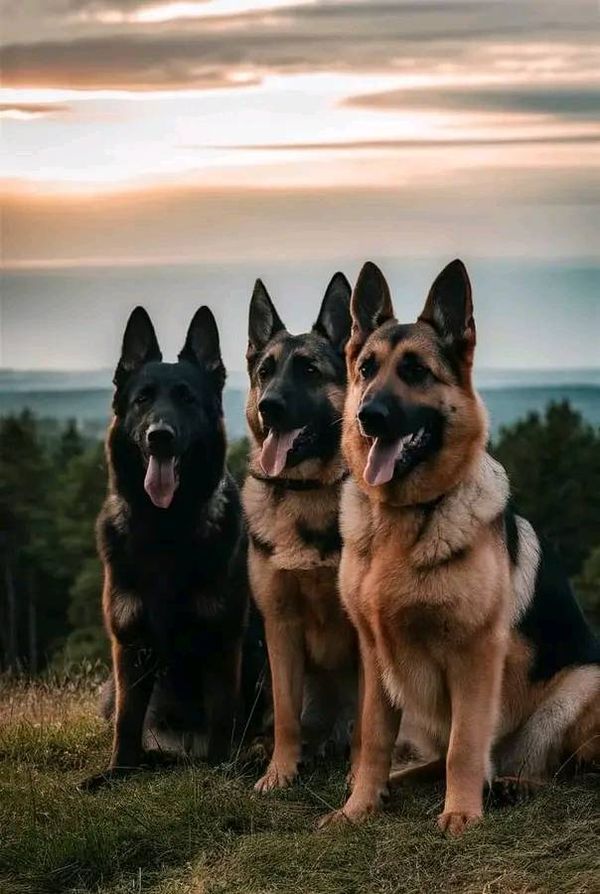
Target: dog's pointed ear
[[334, 321], [140, 345], [449, 309], [263, 321], [202, 346], [370, 307]]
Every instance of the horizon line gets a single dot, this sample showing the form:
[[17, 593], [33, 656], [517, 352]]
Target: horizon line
[[14, 265]]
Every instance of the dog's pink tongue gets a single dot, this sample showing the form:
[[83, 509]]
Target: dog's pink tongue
[[381, 461], [160, 482], [275, 449]]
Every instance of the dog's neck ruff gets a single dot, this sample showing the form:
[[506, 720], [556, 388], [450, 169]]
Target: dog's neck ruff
[[453, 523], [298, 484]]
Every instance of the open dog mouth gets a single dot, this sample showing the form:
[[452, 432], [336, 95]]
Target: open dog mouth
[[162, 479], [387, 458], [278, 447]]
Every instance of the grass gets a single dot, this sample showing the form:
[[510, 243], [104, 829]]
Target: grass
[[193, 830]]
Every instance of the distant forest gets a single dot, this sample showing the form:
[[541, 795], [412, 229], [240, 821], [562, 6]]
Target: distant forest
[[53, 481]]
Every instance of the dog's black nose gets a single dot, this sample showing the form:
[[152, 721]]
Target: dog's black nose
[[272, 410], [160, 439], [374, 418]]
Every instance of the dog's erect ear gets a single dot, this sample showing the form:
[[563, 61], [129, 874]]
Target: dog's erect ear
[[202, 345], [371, 304], [140, 346], [449, 309], [334, 321], [263, 321]]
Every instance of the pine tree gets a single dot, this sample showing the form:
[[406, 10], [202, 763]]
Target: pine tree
[[554, 468]]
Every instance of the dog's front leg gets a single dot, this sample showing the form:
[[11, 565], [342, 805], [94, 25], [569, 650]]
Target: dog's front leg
[[134, 677], [474, 677], [285, 645], [356, 732], [134, 672], [378, 731]]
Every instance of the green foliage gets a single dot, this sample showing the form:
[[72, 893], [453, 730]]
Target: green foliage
[[70, 444], [81, 487], [84, 605], [33, 583], [50, 493], [553, 464], [587, 586], [237, 459], [24, 474], [88, 638]]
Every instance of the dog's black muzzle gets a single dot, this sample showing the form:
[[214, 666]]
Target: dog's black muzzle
[[161, 440], [273, 411], [387, 417], [376, 419]]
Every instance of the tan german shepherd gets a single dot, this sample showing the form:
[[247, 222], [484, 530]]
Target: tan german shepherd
[[291, 500], [465, 621]]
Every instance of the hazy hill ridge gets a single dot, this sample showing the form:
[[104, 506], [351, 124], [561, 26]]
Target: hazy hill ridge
[[86, 395]]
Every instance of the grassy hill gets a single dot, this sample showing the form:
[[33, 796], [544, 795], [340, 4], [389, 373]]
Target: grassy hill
[[193, 830]]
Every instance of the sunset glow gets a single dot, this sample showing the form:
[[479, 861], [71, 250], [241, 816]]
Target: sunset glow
[[273, 95], [169, 12]]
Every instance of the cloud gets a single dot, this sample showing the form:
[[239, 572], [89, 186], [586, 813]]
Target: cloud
[[565, 102], [126, 63], [408, 143], [27, 110], [553, 40]]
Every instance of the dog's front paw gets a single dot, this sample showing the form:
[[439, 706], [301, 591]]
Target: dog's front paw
[[334, 818], [99, 780], [277, 776], [454, 824], [107, 777], [355, 810]]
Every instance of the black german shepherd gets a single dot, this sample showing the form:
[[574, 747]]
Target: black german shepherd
[[171, 538]]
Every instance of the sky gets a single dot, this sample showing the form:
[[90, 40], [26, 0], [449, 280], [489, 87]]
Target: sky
[[273, 131]]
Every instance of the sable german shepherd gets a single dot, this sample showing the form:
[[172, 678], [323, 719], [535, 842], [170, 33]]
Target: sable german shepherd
[[464, 618], [291, 500], [172, 542]]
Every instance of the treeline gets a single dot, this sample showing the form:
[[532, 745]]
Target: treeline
[[52, 485]]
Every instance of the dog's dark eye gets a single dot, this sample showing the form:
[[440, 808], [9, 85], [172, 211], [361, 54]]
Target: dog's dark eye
[[368, 368], [305, 367], [266, 369], [412, 371], [184, 394], [142, 398]]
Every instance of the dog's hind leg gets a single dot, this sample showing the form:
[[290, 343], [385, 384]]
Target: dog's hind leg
[[505, 791], [432, 771], [222, 694], [581, 749], [564, 726]]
